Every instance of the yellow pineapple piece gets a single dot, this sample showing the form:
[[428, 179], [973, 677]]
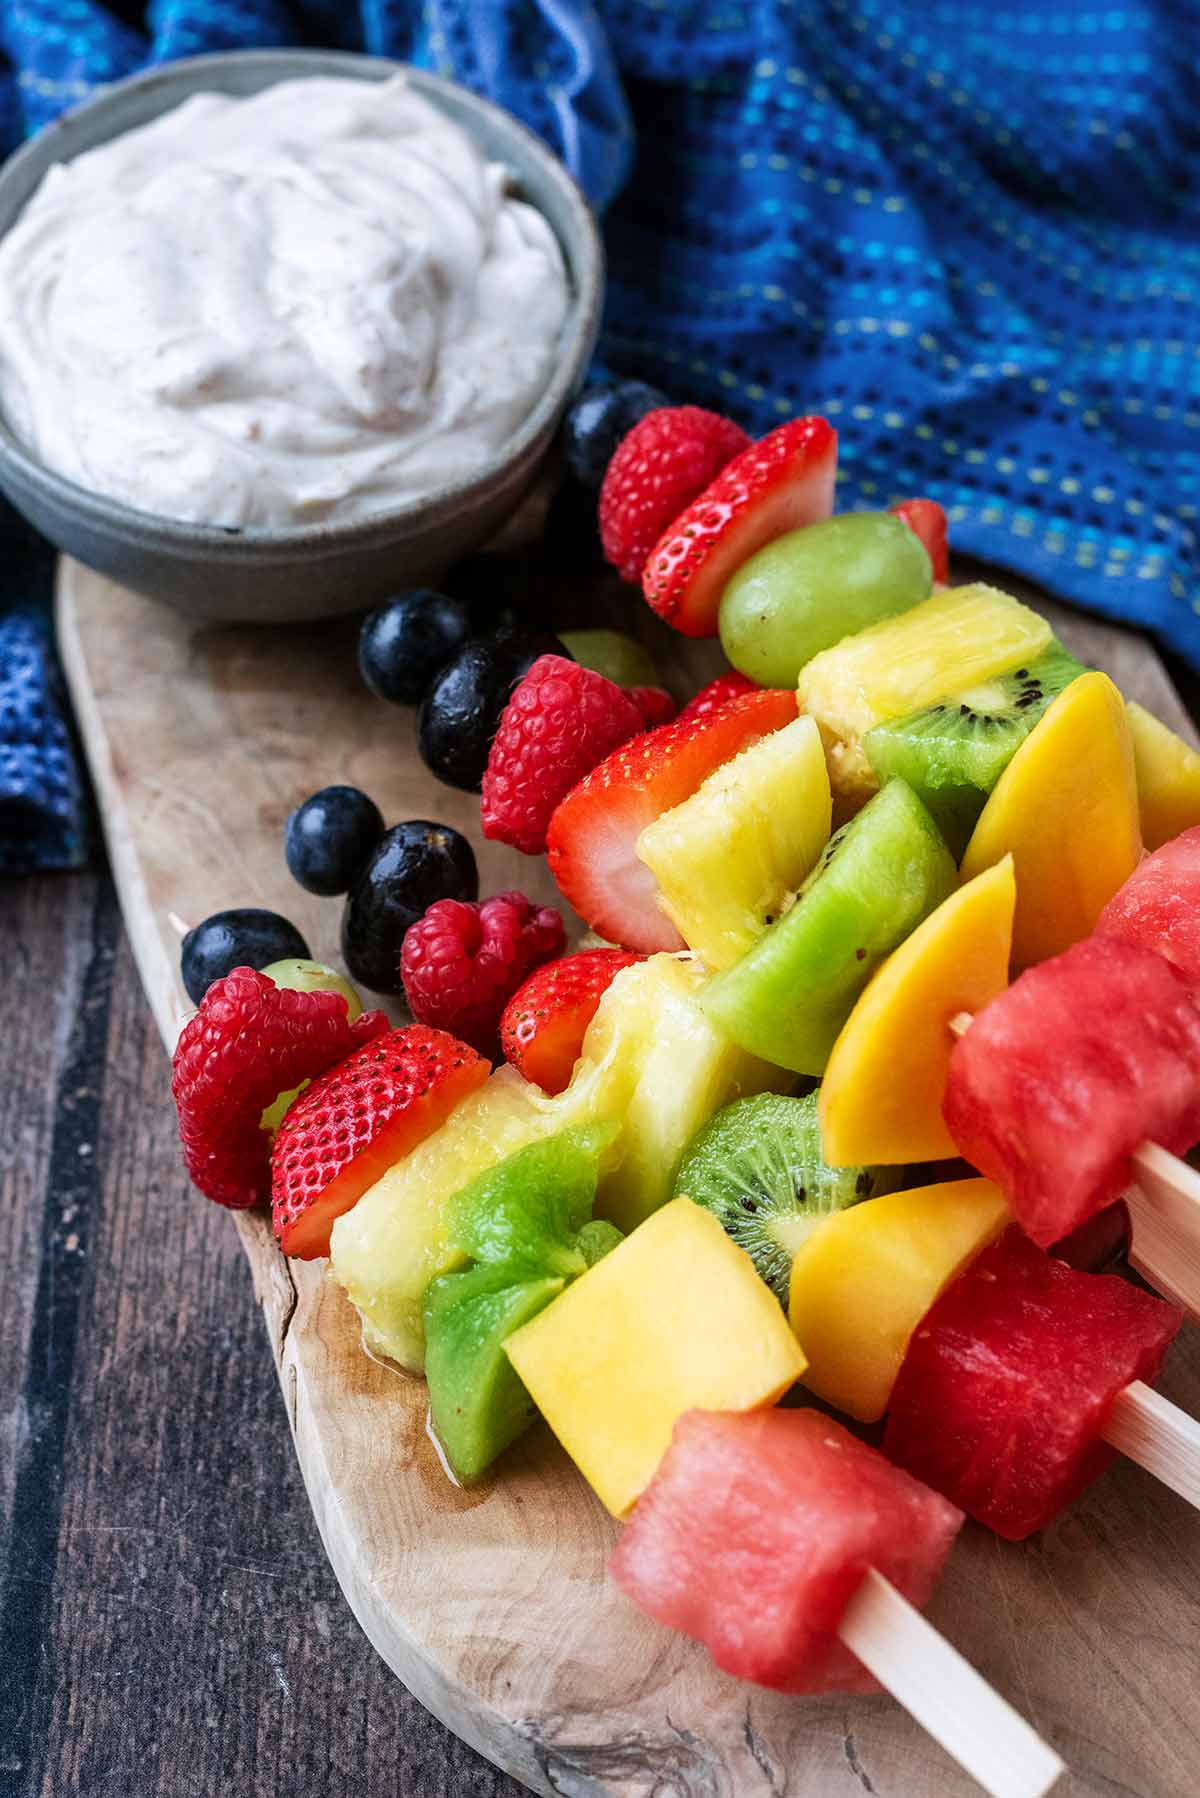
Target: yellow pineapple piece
[[729, 858], [950, 642], [881, 1096], [1066, 809], [673, 1319], [687, 1068], [1168, 777], [866, 1277]]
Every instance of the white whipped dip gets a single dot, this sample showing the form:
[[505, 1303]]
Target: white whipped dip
[[257, 313]]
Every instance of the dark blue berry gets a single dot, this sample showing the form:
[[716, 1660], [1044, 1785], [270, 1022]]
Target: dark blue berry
[[327, 839], [404, 642], [245, 937], [598, 420], [414, 865], [460, 713]]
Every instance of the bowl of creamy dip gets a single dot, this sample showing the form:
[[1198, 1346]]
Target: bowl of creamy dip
[[284, 331]]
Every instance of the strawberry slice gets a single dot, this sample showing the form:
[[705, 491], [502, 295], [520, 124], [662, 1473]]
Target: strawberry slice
[[355, 1122], [926, 520], [592, 839], [778, 484], [546, 1019]]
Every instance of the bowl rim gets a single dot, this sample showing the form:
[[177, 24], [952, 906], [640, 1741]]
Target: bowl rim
[[583, 254]]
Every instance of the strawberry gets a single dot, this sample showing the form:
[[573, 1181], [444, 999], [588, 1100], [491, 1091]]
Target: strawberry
[[718, 693], [658, 468], [345, 1130], [544, 1022], [655, 704], [592, 839], [561, 720], [926, 520], [776, 485]]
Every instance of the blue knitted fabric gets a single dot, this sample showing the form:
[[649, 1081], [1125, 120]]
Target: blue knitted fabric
[[969, 233]]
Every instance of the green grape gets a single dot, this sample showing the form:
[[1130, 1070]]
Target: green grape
[[807, 590]]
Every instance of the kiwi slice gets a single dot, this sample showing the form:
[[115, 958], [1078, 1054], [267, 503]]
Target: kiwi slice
[[879, 876], [953, 753], [758, 1167]]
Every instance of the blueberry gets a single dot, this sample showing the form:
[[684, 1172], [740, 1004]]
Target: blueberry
[[404, 642], [245, 937], [599, 419], [413, 865], [460, 712], [327, 839]]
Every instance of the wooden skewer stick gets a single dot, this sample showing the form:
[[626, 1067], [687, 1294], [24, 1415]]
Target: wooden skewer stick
[[978, 1728], [1164, 1216], [1158, 1436]]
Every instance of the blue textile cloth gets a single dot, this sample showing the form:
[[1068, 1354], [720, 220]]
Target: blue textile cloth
[[968, 232]]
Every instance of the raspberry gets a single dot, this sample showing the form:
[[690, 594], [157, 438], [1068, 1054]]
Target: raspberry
[[462, 963], [717, 695], [562, 720], [655, 704], [664, 463], [250, 1041]]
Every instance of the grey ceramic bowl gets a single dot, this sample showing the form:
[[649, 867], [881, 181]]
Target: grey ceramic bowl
[[314, 570]]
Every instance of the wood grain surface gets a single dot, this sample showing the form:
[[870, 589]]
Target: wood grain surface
[[492, 1604]]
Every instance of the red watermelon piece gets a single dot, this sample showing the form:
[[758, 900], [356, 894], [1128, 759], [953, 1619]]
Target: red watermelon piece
[[757, 1531], [1008, 1380], [1159, 905], [1060, 1078]]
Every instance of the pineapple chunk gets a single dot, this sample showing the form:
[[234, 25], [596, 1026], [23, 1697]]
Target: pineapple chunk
[[688, 1068], [955, 640], [1168, 777], [729, 859], [674, 1319]]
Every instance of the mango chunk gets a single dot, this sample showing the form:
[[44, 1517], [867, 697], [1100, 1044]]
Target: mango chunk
[[674, 1319], [881, 1098], [1066, 809], [866, 1277], [1168, 777]]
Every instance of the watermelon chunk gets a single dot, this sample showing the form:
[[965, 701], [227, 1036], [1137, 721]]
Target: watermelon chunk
[[757, 1531], [1159, 905], [1060, 1078], [1006, 1385]]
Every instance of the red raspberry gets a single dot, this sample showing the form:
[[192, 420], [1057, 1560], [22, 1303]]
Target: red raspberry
[[561, 720], [717, 695], [462, 963], [655, 704], [659, 468], [250, 1041]]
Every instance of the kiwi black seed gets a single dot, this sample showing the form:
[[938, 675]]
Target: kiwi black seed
[[757, 1166], [953, 753]]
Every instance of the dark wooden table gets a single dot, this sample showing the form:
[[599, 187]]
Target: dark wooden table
[[169, 1626]]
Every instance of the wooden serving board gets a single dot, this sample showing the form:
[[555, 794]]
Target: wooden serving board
[[492, 1604]]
